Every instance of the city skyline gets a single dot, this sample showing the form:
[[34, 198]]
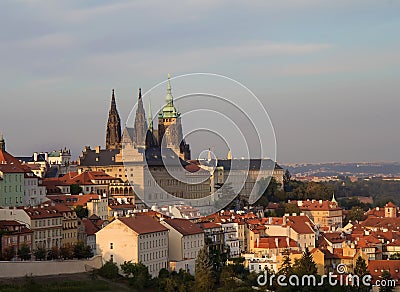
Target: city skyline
[[327, 82]]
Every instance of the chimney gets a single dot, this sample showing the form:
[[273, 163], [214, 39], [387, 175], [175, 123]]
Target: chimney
[[300, 203], [97, 149], [320, 202], [46, 156], [35, 156], [258, 242], [288, 241], [277, 242]]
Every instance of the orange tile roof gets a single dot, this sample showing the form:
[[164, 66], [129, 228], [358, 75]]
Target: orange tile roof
[[73, 200], [208, 225], [273, 242], [184, 226], [300, 224], [143, 224], [376, 267], [90, 227]]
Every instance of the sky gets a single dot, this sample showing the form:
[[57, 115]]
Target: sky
[[327, 72]]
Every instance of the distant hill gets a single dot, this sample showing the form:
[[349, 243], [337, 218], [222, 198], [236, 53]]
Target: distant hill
[[358, 169]]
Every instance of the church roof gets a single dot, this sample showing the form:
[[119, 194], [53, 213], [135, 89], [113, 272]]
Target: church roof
[[156, 157], [102, 158]]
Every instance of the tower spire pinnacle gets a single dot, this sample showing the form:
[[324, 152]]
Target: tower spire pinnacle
[[113, 134], [169, 99], [113, 98], [140, 93], [150, 117], [2, 143]]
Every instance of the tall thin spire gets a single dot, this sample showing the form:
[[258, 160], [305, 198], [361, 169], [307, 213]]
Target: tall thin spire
[[150, 117], [113, 134], [140, 125], [113, 103], [333, 198], [2, 143], [169, 99]]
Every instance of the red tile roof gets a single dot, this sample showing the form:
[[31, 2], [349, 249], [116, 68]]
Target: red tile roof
[[143, 224], [208, 225], [184, 226], [86, 178], [376, 267], [316, 205], [90, 227], [273, 242], [73, 200], [395, 243], [300, 224], [41, 212]]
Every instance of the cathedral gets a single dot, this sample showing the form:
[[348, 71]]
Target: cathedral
[[157, 165], [143, 135]]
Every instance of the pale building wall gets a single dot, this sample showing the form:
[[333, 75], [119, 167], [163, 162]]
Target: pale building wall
[[98, 207], [33, 193], [175, 250], [119, 243], [45, 268]]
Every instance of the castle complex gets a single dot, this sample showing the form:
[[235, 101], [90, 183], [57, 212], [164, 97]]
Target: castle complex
[[157, 162]]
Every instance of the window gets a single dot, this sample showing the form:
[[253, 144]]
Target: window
[[111, 245]]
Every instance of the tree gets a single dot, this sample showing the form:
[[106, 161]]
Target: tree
[[291, 208], [286, 267], [361, 267], [387, 288], [81, 212], [355, 214], [204, 277], [109, 270], [137, 273], [40, 253], [24, 253], [8, 253], [305, 265], [82, 251], [54, 253], [75, 189], [286, 181], [67, 252]]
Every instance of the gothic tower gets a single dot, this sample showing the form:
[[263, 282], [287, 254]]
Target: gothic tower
[[170, 127], [113, 135], [2, 143], [140, 125]]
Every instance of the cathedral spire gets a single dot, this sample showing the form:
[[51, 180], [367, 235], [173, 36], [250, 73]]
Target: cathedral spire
[[169, 99], [113, 103], [113, 135], [140, 125], [150, 117], [2, 143]]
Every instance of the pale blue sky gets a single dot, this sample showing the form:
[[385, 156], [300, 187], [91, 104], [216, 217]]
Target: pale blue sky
[[327, 71]]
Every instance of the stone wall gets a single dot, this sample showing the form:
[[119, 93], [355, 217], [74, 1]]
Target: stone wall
[[45, 268]]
